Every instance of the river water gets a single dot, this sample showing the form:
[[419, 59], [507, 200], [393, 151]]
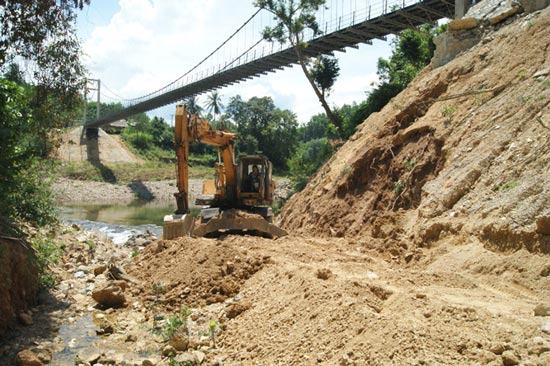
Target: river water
[[117, 222]]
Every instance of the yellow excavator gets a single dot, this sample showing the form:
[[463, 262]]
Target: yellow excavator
[[237, 201]]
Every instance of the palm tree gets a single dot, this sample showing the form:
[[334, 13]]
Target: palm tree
[[192, 105], [214, 103]]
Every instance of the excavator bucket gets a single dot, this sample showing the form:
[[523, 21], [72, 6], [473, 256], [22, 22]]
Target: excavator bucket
[[176, 226], [234, 221]]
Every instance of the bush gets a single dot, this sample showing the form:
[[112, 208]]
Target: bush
[[307, 159], [139, 140]]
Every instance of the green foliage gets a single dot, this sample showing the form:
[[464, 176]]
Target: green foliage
[[192, 105], [317, 127], [293, 18], [325, 71], [41, 34], [263, 127], [213, 327], [307, 159], [24, 176], [158, 288], [214, 103], [175, 322], [151, 138], [412, 50], [47, 252]]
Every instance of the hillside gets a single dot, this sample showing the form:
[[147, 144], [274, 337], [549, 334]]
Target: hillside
[[463, 151]]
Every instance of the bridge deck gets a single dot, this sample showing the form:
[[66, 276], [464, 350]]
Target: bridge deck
[[376, 28]]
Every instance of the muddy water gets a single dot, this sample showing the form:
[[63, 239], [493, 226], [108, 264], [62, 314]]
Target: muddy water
[[117, 222]]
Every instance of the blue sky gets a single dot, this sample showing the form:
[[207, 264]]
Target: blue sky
[[136, 46]]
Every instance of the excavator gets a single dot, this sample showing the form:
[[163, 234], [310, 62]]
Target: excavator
[[237, 201]]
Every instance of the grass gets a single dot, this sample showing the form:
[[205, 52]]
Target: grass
[[48, 252], [128, 172], [511, 184]]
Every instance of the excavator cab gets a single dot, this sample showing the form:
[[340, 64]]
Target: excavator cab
[[255, 186]]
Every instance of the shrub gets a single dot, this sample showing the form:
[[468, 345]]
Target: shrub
[[139, 140], [307, 159]]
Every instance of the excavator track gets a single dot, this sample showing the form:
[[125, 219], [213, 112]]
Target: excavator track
[[233, 221]]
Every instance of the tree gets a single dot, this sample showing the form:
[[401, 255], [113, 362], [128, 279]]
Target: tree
[[261, 126], [325, 71], [307, 159], [192, 105], [293, 18], [214, 103]]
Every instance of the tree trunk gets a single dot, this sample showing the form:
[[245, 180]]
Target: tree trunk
[[331, 116]]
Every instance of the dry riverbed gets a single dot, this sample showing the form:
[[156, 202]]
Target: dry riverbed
[[78, 192]]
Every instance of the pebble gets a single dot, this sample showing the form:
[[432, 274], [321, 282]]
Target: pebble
[[542, 310]]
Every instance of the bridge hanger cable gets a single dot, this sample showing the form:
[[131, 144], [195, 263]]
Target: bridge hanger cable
[[202, 61]]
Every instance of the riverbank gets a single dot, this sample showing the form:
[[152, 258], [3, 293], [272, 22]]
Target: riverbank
[[70, 192]]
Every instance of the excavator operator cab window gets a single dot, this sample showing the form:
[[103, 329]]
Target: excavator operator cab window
[[254, 174]]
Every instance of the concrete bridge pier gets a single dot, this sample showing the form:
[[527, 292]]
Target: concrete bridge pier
[[461, 7]]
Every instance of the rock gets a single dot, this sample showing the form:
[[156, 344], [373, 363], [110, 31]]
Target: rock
[[110, 296], [79, 274], [323, 273], [92, 358], [235, 310], [169, 351], [542, 310], [504, 14], [24, 318], [180, 342], [27, 358], [449, 45], [218, 361], [43, 355], [186, 358], [530, 6], [543, 225], [147, 363], [462, 24], [130, 338], [509, 358], [100, 269], [199, 357], [499, 348], [545, 326]]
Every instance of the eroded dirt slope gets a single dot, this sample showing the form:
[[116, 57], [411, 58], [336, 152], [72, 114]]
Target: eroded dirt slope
[[465, 148]]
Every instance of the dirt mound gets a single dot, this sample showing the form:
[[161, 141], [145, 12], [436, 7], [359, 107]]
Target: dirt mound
[[464, 149], [334, 301], [194, 271], [19, 281], [75, 145]]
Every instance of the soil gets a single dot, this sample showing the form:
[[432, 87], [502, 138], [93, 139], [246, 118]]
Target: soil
[[107, 148]]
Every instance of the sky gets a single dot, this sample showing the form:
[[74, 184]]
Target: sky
[[137, 46]]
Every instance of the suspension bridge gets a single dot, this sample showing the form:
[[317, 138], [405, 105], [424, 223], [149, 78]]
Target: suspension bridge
[[245, 54]]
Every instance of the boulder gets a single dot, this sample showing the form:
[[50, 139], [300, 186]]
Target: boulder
[[110, 296], [27, 358], [100, 269], [542, 310], [463, 24], [504, 14], [509, 358], [235, 310]]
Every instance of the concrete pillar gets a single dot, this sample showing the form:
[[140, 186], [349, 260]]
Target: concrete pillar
[[461, 7]]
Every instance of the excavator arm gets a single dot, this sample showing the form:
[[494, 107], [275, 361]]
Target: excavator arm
[[190, 128]]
